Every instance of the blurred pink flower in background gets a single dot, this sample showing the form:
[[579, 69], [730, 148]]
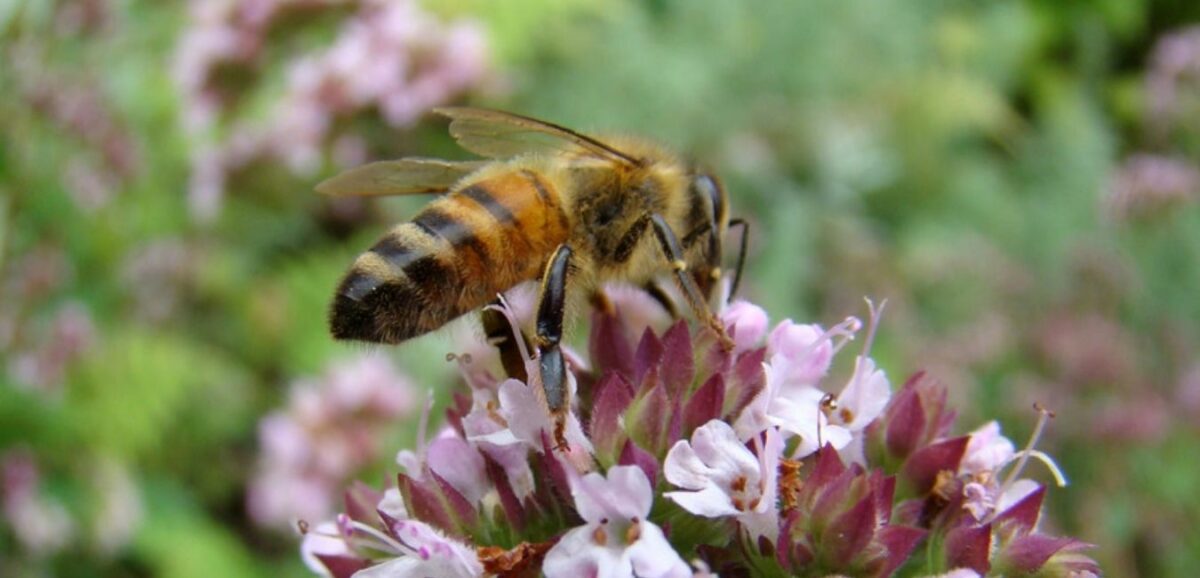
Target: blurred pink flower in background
[[44, 361], [1173, 79], [1147, 184], [331, 429], [390, 57], [40, 524], [157, 276]]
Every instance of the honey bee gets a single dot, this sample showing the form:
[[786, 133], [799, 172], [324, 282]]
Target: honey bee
[[551, 204]]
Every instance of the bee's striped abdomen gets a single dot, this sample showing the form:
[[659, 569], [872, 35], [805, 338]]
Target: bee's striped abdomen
[[454, 256]]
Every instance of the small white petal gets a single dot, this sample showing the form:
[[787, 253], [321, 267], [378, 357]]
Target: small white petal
[[719, 448], [710, 502], [624, 495], [630, 488], [392, 504], [460, 464], [684, 468], [1018, 491], [653, 557], [987, 450], [866, 395], [402, 567], [324, 540], [576, 554]]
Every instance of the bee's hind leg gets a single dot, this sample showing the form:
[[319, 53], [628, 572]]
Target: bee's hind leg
[[551, 365]]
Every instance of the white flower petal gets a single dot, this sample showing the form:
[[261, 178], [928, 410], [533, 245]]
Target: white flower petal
[[710, 502], [322, 540], [576, 554], [653, 557], [866, 395], [630, 489], [457, 462], [402, 567], [718, 447], [685, 469], [392, 504], [1018, 491], [987, 450]]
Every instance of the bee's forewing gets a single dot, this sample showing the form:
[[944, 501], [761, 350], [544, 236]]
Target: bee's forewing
[[409, 176], [496, 134]]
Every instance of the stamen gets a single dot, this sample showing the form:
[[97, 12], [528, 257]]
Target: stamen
[[633, 532], [381, 541], [506, 310], [344, 526], [876, 314], [302, 526], [859, 374], [422, 426], [1059, 477], [838, 336], [1026, 453], [599, 536]]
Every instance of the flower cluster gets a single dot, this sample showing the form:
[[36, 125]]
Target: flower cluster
[[42, 524], [389, 56], [1173, 78], [75, 106], [329, 432], [1151, 184], [1147, 185], [684, 455]]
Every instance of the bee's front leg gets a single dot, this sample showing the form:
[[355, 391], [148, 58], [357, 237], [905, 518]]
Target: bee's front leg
[[741, 256], [552, 367], [679, 268]]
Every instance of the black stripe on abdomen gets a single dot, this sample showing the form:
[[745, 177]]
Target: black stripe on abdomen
[[484, 198], [395, 251], [436, 223]]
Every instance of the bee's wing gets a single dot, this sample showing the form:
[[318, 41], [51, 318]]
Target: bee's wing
[[410, 176], [496, 134]]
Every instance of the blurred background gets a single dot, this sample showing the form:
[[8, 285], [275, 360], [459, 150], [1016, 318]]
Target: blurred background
[[1020, 179]]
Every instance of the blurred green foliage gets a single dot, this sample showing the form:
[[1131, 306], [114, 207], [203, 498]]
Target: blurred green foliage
[[953, 157]]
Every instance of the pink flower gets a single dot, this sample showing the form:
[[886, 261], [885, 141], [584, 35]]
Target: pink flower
[[986, 455], [725, 478], [864, 398], [617, 541], [322, 541], [746, 322], [986, 451], [959, 573], [791, 399], [454, 460], [801, 352], [328, 432], [423, 552], [526, 417]]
